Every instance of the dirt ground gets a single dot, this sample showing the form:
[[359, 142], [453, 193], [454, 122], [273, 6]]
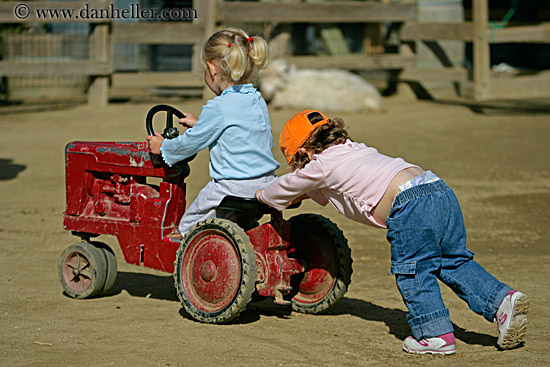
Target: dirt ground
[[496, 159]]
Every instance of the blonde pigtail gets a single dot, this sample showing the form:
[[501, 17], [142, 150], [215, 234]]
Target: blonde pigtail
[[234, 61], [259, 52]]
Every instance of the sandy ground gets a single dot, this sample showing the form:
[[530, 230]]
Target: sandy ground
[[497, 162]]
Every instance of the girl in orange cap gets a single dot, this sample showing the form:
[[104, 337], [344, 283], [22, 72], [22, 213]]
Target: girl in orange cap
[[424, 222]]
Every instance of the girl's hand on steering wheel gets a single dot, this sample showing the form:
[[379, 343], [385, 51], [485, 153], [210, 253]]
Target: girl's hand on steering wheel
[[155, 143], [188, 121]]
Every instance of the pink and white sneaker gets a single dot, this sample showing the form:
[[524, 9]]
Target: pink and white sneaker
[[443, 344], [512, 319]]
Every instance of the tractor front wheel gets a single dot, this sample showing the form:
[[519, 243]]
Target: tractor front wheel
[[82, 269]]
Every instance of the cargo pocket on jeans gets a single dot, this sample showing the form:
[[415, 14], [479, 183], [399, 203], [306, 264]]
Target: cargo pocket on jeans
[[405, 277]]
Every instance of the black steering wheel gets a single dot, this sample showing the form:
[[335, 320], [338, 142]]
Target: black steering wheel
[[170, 132]]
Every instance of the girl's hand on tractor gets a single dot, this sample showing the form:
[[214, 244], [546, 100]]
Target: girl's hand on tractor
[[188, 121], [299, 199], [257, 195], [155, 142]]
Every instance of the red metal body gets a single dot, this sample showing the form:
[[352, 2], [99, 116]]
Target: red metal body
[[271, 244], [108, 193]]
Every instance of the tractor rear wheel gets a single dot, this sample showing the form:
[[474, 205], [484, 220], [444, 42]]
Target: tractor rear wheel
[[82, 270], [320, 245], [215, 271]]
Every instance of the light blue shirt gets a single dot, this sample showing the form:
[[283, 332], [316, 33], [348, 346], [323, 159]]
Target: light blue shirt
[[237, 129]]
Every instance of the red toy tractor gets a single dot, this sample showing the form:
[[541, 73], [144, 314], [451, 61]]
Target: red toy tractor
[[219, 264]]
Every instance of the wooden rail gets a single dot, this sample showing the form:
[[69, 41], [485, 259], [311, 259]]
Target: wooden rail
[[354, 62], [437, 31], [327, 12], [86, 68], [157, 32], [523, 34]]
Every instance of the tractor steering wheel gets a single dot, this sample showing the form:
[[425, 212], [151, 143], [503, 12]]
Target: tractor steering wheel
[[170, 132]]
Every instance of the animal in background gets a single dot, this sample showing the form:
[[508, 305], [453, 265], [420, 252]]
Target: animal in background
[[286, 86]]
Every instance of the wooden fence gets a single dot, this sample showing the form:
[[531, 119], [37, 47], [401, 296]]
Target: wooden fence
[[483, 84], [480, 81]]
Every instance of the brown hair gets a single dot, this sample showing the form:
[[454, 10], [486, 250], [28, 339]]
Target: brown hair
[[239, 55], [332, 133]]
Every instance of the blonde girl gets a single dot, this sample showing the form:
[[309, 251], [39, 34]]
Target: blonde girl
[[235, 125]]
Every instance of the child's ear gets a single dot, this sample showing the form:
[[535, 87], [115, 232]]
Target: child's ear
[[305, 151], [212, 68]]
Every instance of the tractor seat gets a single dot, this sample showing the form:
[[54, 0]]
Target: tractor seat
[[245, 211], [244, 206]]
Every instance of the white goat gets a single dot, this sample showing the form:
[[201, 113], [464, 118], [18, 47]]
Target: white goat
[[327, 90]]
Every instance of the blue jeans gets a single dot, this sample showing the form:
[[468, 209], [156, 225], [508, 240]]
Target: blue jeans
[[428, 242]]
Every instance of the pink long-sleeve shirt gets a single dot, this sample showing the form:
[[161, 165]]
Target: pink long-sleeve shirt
[[351, 176]]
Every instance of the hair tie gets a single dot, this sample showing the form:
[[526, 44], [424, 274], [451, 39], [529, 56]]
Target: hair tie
[[229, 45], [249, 39]]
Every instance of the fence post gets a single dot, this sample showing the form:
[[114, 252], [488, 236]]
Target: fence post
[[98, 93], [207, 10], [482, 61]]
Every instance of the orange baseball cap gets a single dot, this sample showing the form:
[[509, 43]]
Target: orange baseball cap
[[297, 130]]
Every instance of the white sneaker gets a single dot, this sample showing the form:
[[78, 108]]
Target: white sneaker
[[443, 344], [512, 319]]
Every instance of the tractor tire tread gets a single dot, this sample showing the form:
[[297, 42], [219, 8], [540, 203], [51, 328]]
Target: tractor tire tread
[[248, 264], [345, 262]]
